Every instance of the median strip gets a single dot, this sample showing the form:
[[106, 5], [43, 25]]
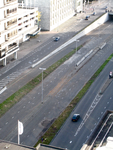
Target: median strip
[[14, 98], [55, 127], [51, 132]]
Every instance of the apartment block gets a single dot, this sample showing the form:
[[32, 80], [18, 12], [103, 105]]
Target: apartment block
[[8, 29], [55, 12], [27, 22], [15, 25]]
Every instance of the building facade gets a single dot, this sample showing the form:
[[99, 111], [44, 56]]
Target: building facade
[[9, 43], [15, 24], [55, 12], [27, 22]]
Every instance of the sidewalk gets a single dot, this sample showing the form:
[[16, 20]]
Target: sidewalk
[[37, 116]]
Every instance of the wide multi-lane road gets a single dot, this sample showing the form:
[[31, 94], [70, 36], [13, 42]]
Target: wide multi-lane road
[[91, 109], [60, 87], [43, 48]]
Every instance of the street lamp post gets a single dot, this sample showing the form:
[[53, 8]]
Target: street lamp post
[[98, 33], [84, 5], [76, 44], [42, 81]]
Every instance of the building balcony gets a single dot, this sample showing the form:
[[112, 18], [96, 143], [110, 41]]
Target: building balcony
[[10, 1], [12, 25], [12, 47], [4, 32], [11, 14], [11, 37], [8, 42], [23, 25]]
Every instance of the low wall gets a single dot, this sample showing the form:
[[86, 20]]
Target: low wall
[[104, 18], [89, 28]]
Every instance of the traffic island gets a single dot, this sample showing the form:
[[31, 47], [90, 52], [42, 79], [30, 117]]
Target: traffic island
[[104, 87]]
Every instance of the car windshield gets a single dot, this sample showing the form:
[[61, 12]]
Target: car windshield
[[74, 116]]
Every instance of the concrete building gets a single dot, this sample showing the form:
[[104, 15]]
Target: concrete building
[[15, 24], [27, 22], [108, 146], [55, 12], [9, 43]]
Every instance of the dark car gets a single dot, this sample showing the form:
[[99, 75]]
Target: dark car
[[87, 17], [57, 39], [75, 117], [110, 74], [94, 13]]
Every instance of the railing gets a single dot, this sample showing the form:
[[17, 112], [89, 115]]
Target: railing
[[11, 24], [10, 1], [11, 13], [12, 48]]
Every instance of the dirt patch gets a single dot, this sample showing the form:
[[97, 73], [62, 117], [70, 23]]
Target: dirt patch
[[46, 124], [58, 87]]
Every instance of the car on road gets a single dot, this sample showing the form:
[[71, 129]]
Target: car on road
[[94, 13], [75, 117], [57, 39], [110, 74], [87, 17]]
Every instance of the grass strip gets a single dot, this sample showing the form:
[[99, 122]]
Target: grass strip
[[14, 98], [54, 128]]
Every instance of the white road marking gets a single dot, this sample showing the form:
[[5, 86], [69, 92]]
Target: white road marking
[[70, 142], [91, 108]]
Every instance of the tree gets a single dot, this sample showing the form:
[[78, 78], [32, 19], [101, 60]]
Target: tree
[[39, 17]]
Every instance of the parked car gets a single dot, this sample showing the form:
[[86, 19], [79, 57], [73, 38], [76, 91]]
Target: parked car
[[57, 39], [75, 117]]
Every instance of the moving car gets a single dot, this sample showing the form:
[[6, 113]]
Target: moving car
[[110, 74], [87, 17], [57, 39], [94, 13], [75, 117]]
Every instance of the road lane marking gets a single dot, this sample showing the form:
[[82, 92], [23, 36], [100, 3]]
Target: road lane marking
[[70, 142], [91, 108]]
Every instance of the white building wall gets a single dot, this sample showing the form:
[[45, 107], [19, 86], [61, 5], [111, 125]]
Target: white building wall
[[1, 26], [2, 39], [8, 28], [44, 8], [27, 22], [55, 12], [10, 33], [1, 3], [1, 14], [60, 12]]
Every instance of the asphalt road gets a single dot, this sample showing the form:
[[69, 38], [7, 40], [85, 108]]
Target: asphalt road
[[59, 89], [31, 52], [74, 135]]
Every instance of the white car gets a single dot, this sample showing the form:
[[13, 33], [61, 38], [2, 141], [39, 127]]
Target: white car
[[110, 74]]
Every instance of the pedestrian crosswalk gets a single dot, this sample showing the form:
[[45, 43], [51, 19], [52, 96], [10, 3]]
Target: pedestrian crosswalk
[[5, 81]]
